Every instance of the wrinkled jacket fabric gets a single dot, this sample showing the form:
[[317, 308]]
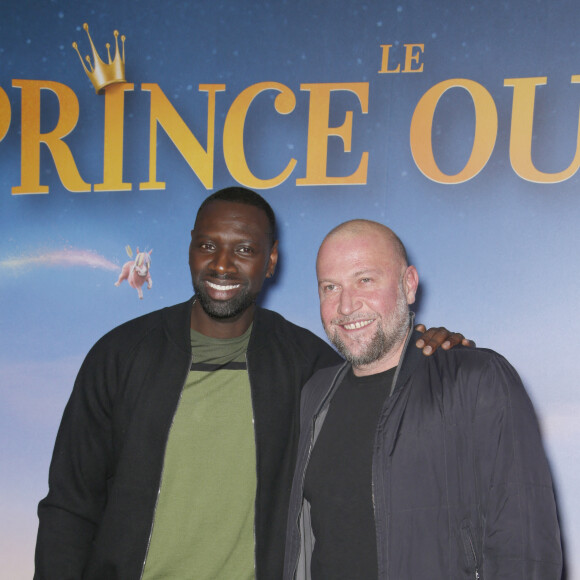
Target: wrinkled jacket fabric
[[96, 520], [461, 485]]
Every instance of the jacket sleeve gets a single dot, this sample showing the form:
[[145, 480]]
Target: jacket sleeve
[[79, 470], [521, 537]]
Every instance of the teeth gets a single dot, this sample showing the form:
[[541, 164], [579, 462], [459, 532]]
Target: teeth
[[358, 324], [221, 287]]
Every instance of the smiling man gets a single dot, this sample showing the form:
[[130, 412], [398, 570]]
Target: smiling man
[[412, 467], [176, 450]]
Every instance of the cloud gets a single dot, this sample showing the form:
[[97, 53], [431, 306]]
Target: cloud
[[67, 258]]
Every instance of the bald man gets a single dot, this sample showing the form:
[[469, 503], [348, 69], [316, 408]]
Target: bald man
[[412, 467]]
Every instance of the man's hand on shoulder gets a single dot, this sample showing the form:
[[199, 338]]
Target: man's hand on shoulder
[[434, 338]]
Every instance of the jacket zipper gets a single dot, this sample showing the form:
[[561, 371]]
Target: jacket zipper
[[470, 550], [163, 469], [389, 405], [310, 448], [256, 452]]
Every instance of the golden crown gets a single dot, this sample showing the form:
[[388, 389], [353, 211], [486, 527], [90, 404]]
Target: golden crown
[[104, 74]]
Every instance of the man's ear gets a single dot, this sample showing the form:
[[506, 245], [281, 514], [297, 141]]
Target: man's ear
[[272, 261], [410, 283]]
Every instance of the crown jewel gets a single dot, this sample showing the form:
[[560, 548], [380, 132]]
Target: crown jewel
[[104, 74]]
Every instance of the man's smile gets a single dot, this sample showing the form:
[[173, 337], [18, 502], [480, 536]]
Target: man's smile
[[222, 287], [356, 324]]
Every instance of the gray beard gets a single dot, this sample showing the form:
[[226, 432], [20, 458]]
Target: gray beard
[[388, 336], [224, 309]]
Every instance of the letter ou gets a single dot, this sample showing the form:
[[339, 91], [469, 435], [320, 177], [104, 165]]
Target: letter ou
[[483, 140]]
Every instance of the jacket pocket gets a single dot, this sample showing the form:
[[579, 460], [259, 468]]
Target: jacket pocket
[[470, 550]]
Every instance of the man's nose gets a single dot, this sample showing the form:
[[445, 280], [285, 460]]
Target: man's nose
[[349, 302], [222, 261]]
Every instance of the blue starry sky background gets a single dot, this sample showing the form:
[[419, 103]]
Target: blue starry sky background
[[497, 256]]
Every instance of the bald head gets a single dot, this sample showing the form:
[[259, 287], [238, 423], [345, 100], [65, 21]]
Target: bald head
[[360, 228], [365, 287]]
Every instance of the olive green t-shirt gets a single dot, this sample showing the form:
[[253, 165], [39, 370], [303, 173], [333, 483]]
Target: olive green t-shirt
[[204, 520]]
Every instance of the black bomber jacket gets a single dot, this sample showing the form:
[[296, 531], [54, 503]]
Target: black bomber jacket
[[461, 484], [96, 521]]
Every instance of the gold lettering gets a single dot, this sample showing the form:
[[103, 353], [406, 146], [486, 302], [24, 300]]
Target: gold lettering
[[32, 137], [483, 140], [412, 55], [163, 112], [522, 129], [319, 132], [113, 147], [5, 114], [234, 154], [385, 60]]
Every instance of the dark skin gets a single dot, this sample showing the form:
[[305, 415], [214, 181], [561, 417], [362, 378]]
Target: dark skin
[[231, 254], [434, 338]]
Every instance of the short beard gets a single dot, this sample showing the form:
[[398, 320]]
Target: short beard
[[390, 333], [224, 309]]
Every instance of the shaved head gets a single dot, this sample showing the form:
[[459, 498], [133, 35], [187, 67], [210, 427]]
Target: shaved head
[[360, 227], [365, 287]]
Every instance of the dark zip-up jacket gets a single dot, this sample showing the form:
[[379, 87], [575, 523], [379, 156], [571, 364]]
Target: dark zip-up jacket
[[461, 485], [96, 520]]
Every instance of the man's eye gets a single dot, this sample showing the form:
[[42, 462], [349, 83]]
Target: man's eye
[[245, 250], [328, 287], [206, 246]]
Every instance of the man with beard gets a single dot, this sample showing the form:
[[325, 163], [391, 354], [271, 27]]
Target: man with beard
[[175, 454], [411, 467]]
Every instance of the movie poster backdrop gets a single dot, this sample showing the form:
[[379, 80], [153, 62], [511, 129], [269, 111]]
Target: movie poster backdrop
[[456, 123]]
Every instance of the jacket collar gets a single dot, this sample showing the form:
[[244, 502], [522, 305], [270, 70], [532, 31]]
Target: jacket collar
[[410, 357], [178, 324]]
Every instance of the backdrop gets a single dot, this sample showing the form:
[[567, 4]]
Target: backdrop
[[456, 123]]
